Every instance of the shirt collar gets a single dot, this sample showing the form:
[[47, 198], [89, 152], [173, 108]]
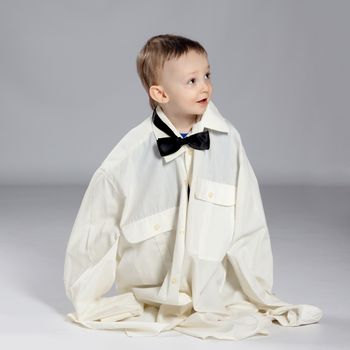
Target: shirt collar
[[211, 119]]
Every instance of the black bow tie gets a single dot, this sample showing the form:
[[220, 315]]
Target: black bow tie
[[168, 145]]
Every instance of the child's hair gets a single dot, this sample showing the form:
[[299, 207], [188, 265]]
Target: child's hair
[[157, 50]]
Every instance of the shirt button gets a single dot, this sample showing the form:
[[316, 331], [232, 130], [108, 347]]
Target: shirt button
[[156, 226], [173, 280], [182, 231], [210, 194]]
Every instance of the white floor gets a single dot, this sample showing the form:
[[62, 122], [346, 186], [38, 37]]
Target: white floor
[[310, 236]]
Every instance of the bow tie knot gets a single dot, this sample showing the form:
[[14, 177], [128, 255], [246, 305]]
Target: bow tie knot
[[171, 144], [182, 140]]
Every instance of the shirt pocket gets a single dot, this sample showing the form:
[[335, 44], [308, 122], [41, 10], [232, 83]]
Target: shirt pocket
[[150, 242], [215, 192], [215, 219]]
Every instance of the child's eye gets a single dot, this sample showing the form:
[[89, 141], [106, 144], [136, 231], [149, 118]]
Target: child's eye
[[193, 79]]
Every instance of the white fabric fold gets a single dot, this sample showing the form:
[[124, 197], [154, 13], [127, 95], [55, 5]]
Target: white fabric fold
[[201, 265]]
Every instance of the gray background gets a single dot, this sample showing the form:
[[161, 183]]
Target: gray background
[[69, 91], [69, 87]]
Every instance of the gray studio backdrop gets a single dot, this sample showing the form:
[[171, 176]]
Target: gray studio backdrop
[[69, 88]]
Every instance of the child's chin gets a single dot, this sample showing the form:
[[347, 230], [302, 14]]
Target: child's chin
[[202, 107]]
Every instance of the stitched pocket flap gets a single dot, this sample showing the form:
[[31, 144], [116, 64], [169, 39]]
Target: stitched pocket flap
[[215, 192], [150, 226]]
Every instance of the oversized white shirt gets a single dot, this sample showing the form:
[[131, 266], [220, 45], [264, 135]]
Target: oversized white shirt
[[201, 265]]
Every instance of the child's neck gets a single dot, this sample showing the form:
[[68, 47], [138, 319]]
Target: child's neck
[[183, 124]]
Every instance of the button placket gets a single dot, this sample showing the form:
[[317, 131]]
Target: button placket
[[179, 246]]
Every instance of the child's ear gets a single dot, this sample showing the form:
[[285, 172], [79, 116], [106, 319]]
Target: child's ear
[[158, 94]]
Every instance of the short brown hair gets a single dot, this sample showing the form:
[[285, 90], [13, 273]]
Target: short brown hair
[[157, 50]]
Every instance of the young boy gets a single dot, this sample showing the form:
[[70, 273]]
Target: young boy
[[174, 219]]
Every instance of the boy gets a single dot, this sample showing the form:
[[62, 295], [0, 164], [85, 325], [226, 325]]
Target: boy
[[175, 221]]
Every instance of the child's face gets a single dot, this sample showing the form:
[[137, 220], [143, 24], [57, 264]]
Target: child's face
[[185, 81]]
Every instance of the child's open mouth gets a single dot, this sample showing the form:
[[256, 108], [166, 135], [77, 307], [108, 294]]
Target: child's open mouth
[[203, 101]]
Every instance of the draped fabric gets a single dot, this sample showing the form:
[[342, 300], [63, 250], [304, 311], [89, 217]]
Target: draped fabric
[[181, 241]]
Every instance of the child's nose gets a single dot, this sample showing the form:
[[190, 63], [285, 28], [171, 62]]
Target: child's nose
[[205, 86]]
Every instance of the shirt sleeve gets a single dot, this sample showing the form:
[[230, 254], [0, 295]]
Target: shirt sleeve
[[251, 255], [91, 256]]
